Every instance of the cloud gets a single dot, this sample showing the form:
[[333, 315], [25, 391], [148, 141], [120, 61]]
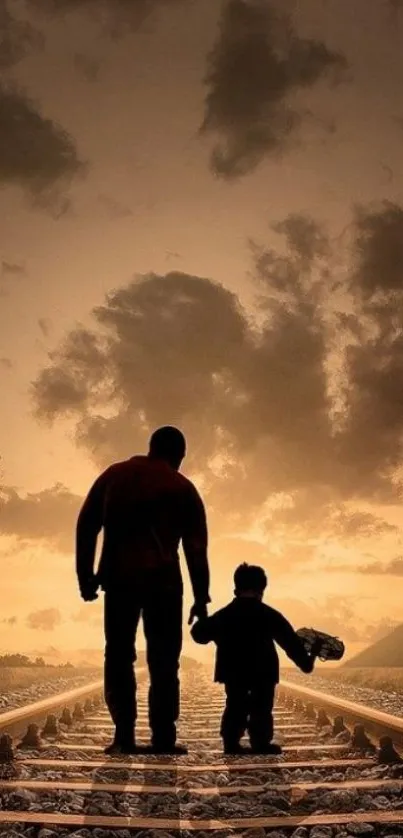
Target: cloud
[[45, 620], [115, 16], [88, 615], [285, 403], [393, 567], [6, 363], [87, 67], [9, 621], [334, 615], [49, 516], [373, 425], [378, 250], [349, 524], [9, 272], [36, 154], [45, 325], [12, 269], [255, 68], [114, 209], [17, 37], [227, 552]]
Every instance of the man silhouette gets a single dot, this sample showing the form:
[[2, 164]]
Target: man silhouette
[[145, 507]]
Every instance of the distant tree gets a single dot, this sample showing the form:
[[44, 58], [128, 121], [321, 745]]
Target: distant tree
[[15, 660], [39, 662]]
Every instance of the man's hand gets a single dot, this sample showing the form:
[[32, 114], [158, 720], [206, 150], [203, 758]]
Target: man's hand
[[198, 610], [88, 589]]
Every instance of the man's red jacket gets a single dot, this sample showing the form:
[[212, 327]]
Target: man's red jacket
[[146, 508]]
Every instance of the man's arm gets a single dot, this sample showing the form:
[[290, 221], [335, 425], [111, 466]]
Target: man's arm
[[195, 543], [292, 645], [89, 525]]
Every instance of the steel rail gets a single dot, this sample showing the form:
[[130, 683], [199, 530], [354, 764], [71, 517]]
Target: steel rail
[[231, 765], [278, 822], [62, 746], [14, 721], [377, 721], [135, 788]]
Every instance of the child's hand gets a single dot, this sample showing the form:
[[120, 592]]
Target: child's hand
[[199, 611]]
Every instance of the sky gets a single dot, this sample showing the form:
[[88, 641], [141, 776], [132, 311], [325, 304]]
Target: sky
[[201, 224]]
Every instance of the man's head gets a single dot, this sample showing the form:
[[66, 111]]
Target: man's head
[[250, 580], [168, 444]]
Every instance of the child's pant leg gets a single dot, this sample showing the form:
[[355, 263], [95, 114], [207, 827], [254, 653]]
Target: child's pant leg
[[235, 717], [260, 726]]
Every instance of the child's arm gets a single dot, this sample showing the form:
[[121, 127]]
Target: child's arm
[[293, 646], [204, 630]]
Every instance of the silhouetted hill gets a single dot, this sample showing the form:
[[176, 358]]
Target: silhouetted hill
[[385, 652]]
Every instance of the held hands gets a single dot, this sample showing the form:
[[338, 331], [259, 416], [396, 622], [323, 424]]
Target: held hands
[[88, 589], [199, 611]]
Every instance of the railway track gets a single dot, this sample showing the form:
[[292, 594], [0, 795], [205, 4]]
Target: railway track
[[329, 782]]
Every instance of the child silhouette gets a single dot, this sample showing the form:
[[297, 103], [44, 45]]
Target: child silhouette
[[245, 632]]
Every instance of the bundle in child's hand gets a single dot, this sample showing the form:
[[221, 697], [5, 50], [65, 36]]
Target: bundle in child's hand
[[326, 647]]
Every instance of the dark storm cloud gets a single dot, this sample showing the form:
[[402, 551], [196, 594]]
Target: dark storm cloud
[[70, 389], [49, 515], [378, 250], [255, 68], [373, 430], [115, 16], [45, 620], [87, 67], [36, 154], [255, 402], [17, 37], [180, 349]]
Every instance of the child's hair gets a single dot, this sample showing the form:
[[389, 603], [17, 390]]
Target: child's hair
[[249, 577]]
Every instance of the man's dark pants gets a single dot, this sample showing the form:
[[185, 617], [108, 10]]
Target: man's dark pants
[[161, 610], [249, 707]]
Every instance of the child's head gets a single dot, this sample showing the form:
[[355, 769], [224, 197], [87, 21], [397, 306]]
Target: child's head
[[250, 580]]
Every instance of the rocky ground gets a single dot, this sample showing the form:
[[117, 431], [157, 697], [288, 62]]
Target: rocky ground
[[183, 801], [9, 700], [389, 701]]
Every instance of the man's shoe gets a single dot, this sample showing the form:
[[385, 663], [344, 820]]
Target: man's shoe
[[117, 748], [267, 748], [176, 750], [233, 748]]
